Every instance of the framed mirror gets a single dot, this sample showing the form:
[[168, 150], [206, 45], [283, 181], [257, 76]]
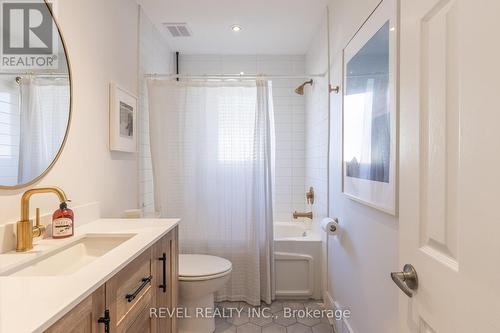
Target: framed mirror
[[35, 91], [370, 112]]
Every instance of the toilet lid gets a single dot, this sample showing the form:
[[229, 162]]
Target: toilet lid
[[198, 265]]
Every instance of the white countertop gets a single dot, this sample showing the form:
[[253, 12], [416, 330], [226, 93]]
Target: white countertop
[[34, 303]]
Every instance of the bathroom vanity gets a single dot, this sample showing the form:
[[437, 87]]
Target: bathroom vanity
[[107, 278], [109, 274]]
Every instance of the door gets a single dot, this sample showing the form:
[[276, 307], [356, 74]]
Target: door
[[449, 164]]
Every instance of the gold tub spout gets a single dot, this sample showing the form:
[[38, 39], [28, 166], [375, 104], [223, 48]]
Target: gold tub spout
[[25, 229], [308, 215]]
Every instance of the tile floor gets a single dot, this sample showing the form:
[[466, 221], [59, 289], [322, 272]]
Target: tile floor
[[243, 323]]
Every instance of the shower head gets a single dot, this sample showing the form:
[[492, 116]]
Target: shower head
[[300, 89]]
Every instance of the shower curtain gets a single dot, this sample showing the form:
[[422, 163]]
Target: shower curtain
[[212, 147]]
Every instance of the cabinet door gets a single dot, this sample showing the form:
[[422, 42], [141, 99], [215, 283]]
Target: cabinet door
[[129, 293], [166, 268], [83, 318]]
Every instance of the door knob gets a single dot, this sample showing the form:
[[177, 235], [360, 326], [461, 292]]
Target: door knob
[[407, 280]]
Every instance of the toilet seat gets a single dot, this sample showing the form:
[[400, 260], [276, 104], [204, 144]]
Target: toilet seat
[[200, 267]]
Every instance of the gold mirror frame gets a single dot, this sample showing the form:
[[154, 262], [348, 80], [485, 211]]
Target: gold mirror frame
[[56, 158]]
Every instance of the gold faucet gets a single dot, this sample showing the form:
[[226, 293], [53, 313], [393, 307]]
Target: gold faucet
[[310, 196], [25, 229], [296, 215]]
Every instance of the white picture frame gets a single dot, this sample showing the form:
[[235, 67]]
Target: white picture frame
[[370, 112], [122, 120]]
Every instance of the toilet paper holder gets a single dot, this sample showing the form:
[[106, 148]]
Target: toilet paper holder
[[330, 225]]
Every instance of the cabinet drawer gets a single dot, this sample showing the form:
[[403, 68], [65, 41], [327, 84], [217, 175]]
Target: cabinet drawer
[[130, 292], [142, 323]]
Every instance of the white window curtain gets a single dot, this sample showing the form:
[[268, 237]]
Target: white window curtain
[[44, 120], [212, 151]]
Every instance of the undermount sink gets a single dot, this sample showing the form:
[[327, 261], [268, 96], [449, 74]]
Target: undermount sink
[[71, 258]]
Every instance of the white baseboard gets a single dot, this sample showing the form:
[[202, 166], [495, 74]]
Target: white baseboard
[[347, 328], [341, 326], [328, 300]]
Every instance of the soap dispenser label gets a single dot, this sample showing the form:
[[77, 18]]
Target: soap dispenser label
[[62, 227]]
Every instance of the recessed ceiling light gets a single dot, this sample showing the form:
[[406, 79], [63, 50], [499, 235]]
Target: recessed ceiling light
[[236, 28], [242, 73]]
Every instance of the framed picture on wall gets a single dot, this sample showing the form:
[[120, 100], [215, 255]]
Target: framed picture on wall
[[370, 112], [122, 120]]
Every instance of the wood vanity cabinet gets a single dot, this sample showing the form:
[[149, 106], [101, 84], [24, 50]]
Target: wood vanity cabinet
[[84, 317], [166, 253], [125, 300]]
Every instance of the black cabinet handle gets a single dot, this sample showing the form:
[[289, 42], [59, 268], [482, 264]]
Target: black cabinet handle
[[145, 281], [105, 320], [163, 286]]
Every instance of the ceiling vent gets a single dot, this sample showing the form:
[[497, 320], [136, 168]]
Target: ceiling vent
[[178, 29]]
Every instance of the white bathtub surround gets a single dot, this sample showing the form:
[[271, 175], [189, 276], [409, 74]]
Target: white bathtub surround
[[294, 231], [211, 148], [317, 135], [297, 259], [316, 124], [45, 292]]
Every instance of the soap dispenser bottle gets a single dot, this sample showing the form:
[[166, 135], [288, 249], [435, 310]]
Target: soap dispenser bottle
[[62, 222]]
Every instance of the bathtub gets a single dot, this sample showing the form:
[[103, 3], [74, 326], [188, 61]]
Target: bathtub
[[297, 258]]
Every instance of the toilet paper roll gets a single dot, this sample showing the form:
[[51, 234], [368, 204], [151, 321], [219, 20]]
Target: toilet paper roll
[[330, 226]]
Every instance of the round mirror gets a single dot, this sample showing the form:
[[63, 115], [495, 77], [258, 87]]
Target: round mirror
[[35, 92]]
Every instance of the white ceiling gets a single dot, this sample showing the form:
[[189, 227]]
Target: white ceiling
[[269, 26]]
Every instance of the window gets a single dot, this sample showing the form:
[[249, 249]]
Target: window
[[236, 123]]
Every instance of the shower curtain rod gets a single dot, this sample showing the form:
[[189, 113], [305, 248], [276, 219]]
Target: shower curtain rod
[[232, 76]]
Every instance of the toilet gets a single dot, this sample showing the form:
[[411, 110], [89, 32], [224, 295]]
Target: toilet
[[200, 276]]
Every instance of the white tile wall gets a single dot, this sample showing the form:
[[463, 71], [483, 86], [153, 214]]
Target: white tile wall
[[317, 137], [316, 125], [316, 128], [154, 57], [289, 116]]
